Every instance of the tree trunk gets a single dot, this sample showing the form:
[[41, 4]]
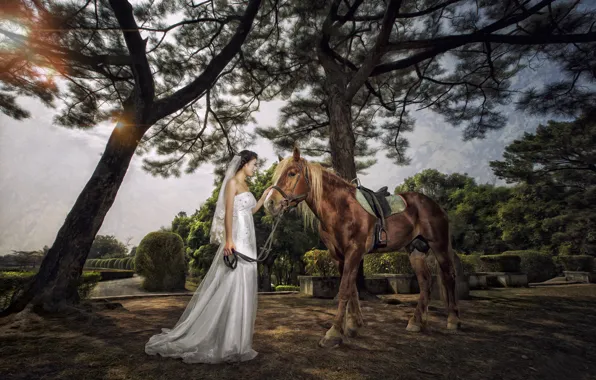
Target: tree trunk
[[55, 287], [266, 278], [342, 144]]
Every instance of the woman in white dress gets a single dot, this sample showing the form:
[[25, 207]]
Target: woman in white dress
[[218, 322]]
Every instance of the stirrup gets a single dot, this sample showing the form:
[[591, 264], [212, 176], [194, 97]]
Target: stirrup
[[380, 241]]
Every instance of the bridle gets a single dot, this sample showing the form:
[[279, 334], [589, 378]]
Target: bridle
[[292, 197], [232, 261]]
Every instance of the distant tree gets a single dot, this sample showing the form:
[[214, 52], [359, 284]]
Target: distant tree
[[555, 201], [436, 185], [563, 153], [106, 247]]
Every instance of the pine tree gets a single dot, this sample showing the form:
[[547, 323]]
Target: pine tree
[[167, 86]]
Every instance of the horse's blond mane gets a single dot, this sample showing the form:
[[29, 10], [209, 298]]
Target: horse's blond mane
[[315, 172]]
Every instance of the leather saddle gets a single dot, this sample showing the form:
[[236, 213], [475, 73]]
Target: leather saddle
[[379, 204]]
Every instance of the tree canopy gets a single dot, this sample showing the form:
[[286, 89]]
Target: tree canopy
[[457, 58]]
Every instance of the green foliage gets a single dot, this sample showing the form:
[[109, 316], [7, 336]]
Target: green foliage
[[287, 288], [539, 266], [392, 262], [582, 263], [201, 259], [320, 263], [555, 205], [160, 260], [11, 282], [436, 185], [470, 263], [499, 263]]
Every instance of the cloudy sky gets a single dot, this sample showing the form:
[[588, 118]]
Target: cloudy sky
[[43, 168]]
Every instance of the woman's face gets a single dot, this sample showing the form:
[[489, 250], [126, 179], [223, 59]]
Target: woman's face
[[249, 168]]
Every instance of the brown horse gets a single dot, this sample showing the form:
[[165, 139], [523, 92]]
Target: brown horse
[[347, 228]]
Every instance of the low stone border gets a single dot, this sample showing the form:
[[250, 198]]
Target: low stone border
[[558, 283], [151, 295], [584, 277]]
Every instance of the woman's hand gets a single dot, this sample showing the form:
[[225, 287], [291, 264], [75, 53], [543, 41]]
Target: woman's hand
[[228, 248], [266, 192]]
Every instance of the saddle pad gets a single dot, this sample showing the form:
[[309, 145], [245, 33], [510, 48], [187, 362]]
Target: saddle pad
[[396, 203]]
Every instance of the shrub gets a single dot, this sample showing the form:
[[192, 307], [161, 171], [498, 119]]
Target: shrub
[[470, 263], [10, 282], [539, 266], [111, 263], [499, 263], [287, 288], [320, 263], [160, 260], [582, 263], [392, 262]]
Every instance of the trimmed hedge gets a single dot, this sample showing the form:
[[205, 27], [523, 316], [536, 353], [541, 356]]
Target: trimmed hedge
[[538, 265], [320, 263], [287, 288], [10, 282], [125, 263], [391, 262], [582, 263], [112, 274], [499, 263], [161, 261]]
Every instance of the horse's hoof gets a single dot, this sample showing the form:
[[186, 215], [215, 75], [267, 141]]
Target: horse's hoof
[[351, 333], [413, 328], [332, 342], [453, 326]]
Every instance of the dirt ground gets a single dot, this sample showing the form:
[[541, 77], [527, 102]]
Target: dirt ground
[[535, 333]]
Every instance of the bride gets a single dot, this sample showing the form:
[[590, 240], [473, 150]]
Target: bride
[[218, 322]]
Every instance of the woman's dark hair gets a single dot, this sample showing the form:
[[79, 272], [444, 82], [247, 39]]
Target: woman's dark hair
[[245, 157]]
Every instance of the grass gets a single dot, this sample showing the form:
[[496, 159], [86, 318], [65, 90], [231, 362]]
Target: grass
[[536, 333]]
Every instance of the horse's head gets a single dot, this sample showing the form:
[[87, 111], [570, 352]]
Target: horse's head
[[292, 184]]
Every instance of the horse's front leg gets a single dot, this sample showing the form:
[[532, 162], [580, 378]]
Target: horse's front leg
[[334, 335]]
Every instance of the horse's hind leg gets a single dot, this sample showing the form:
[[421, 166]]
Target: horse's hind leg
[[418, 320], [446, 263]]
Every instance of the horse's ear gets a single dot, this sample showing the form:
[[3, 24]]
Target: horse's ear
[[296, 154], [280, 158]]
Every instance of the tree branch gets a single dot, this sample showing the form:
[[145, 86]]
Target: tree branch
[[48, 50], [379, 16], [377, 52], [136, 46], [324, 51], [205, 81], [539, 39], [457, 41]]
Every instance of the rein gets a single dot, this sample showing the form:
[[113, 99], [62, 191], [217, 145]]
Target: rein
[[266, 249]]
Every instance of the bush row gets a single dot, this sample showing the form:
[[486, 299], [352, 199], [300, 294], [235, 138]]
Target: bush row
[[287, 288], [111, 274], [539, 266], [126, 263], [10, 282]]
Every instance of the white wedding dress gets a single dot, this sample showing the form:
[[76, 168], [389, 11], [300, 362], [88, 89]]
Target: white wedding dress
[[218, 322]]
